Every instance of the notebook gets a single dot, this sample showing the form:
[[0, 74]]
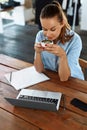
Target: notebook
[[37, 99], [25, 77]]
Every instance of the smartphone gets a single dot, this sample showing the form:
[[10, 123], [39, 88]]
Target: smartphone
[[79, 104]]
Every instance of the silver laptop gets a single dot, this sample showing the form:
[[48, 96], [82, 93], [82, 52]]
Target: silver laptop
[[36, 99]]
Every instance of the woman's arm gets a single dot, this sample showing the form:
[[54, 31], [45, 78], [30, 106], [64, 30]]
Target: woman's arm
[[38, 63], [63, 69], [38, 60]]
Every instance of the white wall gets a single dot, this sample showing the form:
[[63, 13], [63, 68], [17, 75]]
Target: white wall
[[83, 23], [27, 13]]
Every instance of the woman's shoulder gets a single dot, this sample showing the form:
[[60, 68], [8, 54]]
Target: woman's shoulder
[[76, 36], [40, 33], [76, 40], [40, 36]]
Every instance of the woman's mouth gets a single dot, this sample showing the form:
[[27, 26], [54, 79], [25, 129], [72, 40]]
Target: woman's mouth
[[49, 38]]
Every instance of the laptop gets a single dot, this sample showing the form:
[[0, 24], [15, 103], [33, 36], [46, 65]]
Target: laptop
[[37, 99]]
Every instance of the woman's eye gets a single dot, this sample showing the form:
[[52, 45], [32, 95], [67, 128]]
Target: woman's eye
[[44, 30], [53, 29]]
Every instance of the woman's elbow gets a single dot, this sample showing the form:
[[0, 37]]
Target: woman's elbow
[[38, 69], [65, 78]]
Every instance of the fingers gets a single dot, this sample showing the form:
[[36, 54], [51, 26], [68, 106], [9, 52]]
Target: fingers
[[38, 48], [49, 47], [37, 45]]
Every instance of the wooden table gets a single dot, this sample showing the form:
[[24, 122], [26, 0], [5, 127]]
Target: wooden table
[[17, 118]]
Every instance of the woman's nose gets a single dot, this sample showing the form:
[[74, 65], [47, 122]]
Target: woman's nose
[[48, 33]]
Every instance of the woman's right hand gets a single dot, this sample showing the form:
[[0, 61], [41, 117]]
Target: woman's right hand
[[38, 48]]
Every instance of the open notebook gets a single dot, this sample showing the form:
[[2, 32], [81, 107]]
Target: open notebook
[[37, 99], [25, 78]]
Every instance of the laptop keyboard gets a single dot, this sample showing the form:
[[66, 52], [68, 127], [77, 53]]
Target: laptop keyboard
[[38, 99]]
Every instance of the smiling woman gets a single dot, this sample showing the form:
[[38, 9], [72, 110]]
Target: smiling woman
[[63, 55]]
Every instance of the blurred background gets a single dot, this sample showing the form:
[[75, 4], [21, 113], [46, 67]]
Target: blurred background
[[19, 23]]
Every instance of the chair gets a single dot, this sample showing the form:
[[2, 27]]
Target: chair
[[83, 64]]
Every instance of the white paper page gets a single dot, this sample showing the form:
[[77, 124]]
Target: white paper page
[[25, 77]]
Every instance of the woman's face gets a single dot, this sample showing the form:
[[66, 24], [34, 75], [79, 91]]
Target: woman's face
[[51, 27]]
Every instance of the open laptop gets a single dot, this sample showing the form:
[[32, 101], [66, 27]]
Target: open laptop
[[36, 99]]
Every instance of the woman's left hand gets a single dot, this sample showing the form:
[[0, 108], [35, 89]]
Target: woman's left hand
[[55, 49]]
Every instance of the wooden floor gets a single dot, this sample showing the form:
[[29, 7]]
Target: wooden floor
[[18, 41]]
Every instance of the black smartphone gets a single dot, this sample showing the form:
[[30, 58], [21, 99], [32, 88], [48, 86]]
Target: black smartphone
[[79, 104]]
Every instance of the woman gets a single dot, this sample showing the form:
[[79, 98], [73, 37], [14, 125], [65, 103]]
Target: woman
[[63, 55]]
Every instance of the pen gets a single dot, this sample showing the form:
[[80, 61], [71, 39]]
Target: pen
[[10, 76]]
